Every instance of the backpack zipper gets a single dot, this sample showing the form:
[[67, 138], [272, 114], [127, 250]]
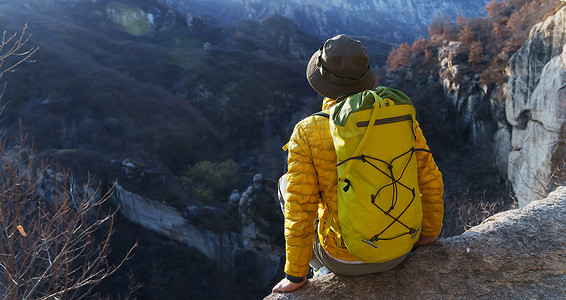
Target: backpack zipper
[[385, 121]]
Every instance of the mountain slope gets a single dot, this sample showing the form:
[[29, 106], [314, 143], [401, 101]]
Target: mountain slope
[[154, 89]]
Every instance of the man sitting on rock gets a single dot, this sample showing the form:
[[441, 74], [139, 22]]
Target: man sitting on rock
[[338, 69]]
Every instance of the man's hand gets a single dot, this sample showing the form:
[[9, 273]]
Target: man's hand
[[287, 286], [423, 240]]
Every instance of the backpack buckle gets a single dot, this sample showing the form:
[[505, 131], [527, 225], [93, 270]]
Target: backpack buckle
[[414, 232], [370, 242]]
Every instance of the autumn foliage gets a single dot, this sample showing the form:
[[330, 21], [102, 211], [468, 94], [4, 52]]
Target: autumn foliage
[[486, 43], [400, 57]]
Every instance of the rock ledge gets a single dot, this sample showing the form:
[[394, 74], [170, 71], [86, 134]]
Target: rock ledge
[[517, 254]]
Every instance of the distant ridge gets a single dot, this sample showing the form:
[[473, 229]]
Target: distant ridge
[[389, 21]]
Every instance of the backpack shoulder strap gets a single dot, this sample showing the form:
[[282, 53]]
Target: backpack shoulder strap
[[324, 113]]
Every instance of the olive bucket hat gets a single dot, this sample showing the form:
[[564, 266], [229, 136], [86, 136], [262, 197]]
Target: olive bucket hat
[[340, 66]]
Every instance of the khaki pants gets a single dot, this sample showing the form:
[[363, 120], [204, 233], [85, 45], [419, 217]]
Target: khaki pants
[[337, 266]]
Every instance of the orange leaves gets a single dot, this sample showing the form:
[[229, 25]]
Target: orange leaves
[[21, 230], [400, 57], [495, 8]]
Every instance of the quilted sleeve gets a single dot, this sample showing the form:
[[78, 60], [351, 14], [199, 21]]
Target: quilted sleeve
[[431, 187], [301, 205]]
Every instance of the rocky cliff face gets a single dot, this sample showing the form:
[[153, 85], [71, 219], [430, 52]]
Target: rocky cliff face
[[517, 254], [536, 108], [521, 123]]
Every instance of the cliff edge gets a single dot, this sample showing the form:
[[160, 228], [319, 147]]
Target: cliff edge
[[517, 254]]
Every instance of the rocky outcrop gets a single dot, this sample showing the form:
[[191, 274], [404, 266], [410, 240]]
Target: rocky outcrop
[[480, 107], [536, 108], [517, 254], [465, 93], [229, 251], [169, 222]]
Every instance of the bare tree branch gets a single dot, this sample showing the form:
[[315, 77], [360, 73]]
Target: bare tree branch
[[15, 46]]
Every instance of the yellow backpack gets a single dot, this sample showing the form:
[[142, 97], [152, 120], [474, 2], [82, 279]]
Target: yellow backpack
[[379, 205]]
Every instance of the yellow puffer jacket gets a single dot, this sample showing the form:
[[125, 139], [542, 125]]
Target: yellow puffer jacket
[[312, 183]]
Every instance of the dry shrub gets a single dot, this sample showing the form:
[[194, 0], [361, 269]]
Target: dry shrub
[[55, 238]]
